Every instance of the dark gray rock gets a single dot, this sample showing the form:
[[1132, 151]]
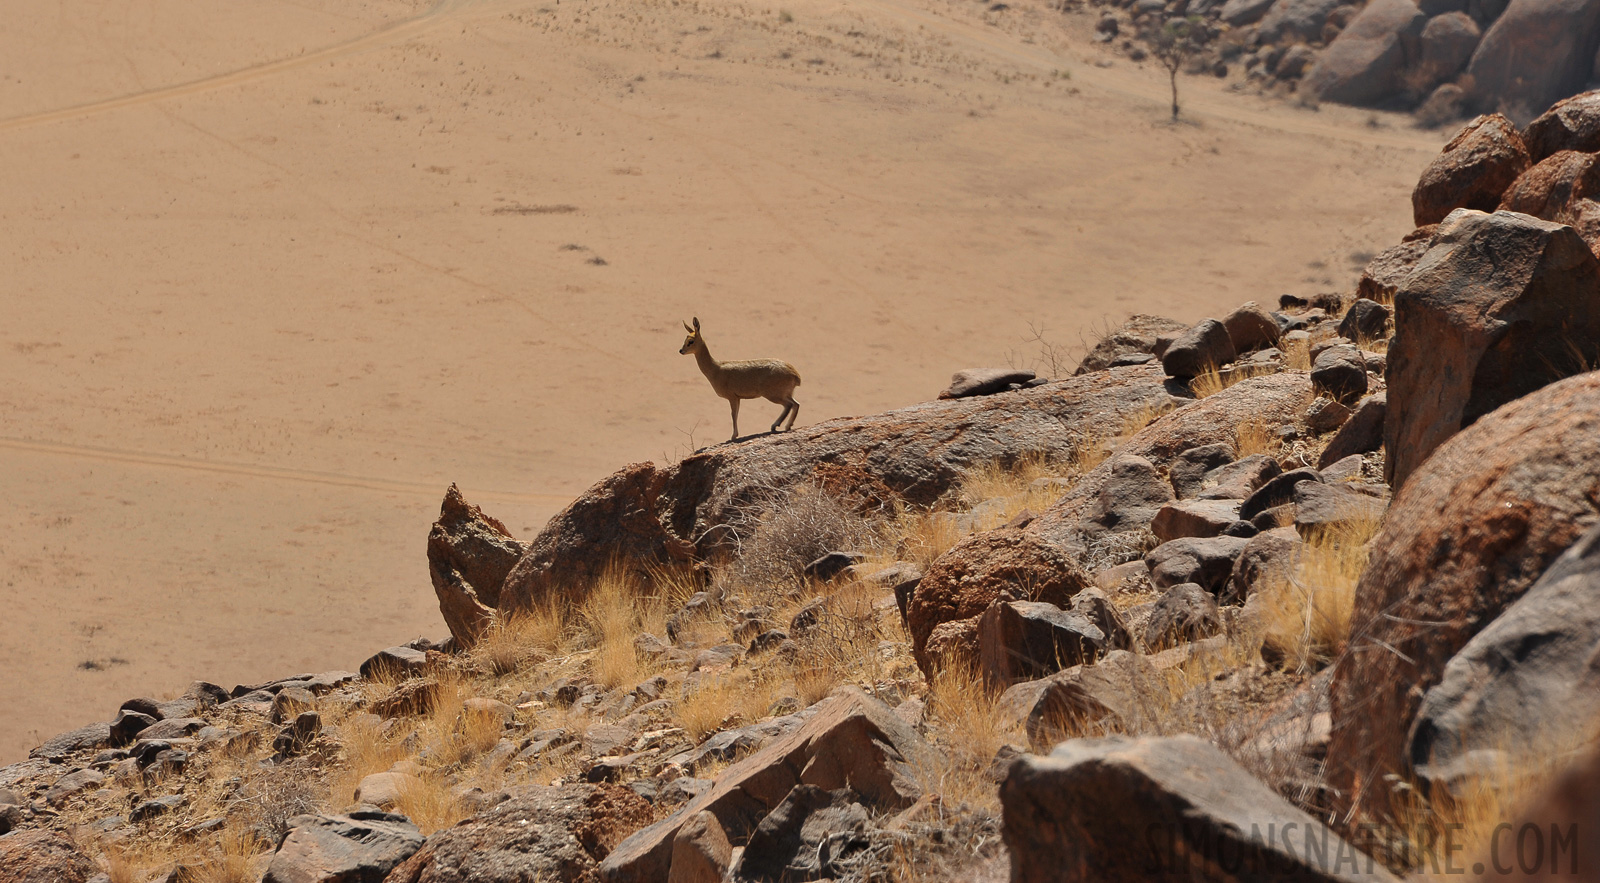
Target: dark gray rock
[[1560, 34], [832, 564], [1326, 415], [71, 785], [805, 836], [1182, 614], [1093, 605], [1296, 21], [1384, 274], [362, 847], [1208, 562], [1085, 697], [1365, 319], [1237, 481], [984, 381], [1135, 339], [1249, 326], [1447, 43], [394, 663], [1321, 508], [127, 725], [1244, 12], [1268, 559], [1278, 491], [1361, 434], [96, 735], [1522, 689], [1189, 469], [1194, 518], [1341, 373], [1365, 63], [1200, 816], [1204, 346], [1131, 495], [1024, 640], [158, 806], [295, 737]]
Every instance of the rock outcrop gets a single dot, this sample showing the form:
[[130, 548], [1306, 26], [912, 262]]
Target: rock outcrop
[[1107, 810], [1466, 536], [362, 847], [1366, 63], [1473, 171], [1501, 305], [1536, 53], [650, 513], [469, 555]]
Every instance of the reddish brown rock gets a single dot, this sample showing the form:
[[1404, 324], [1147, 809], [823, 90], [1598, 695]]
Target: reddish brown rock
[[1549, 189], [559, 833], [1020, 640], [1536, 53], [469, 555], [851, 741], [1500, 306], [1044, 556], [1571, 124], [40, 856], [1464, 538], [1568, 809], [649, 513], [1473, 171], [986, 567]]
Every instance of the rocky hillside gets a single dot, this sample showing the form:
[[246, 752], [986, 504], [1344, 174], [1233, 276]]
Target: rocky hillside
[[1305, 591], [1442, 58]]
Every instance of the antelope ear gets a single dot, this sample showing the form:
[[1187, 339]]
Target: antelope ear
[[687, 328], [697, 323]]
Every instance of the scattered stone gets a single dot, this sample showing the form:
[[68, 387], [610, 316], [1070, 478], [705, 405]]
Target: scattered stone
[[1500, 306], [1366, 320], [1324, 509], [394, 664], [1194, 518], [173, 728], [1193, 804], [1326, 415], [289, 702], [384, 790], [1467, 535], [362, 847], [127, 726], [1237, 481], [832, 564], [1250, 327], [71, 785], [1023, 640], [1112, 693], [296, 737], [1184, 613], [159, 806], [1278, 491], [1093, 605], [984, 381], [1563, 33], [1203, 347], [1361, 434], [1208, 562], [1384, 274], [801, 838], [1341, 372], [851, 741], [96, 735], [1131, 495], [1472, 171], [1137, 337], [412, 698], [1190, 469], [1552, 187]]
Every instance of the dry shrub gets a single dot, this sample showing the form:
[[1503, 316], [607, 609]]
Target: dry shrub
[[921, 535], [999, 479], [364, 750], [237, 858], [613, 614], [426, 800], [1306, 620], [1297, 355], [1136, 421], [963, 715], [1214, 380], [781, 531], [1111, 549], [1255, 437], [708, 708], [516, 640]]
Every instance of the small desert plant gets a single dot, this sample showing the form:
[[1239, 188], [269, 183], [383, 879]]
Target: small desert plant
[[780, 532], [1175, 42], [1255, 437], [1306, 619], [963, 711], [708, 708], [427, 801]]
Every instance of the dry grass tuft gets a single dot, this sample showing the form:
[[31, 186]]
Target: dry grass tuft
[[365, 751], [428, 803], [781, 532], [709, 708], [1306, 620], [520, 639], [963, 713], [1297, 355], [1255, 437]]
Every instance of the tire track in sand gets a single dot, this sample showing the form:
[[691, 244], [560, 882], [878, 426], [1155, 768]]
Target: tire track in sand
[[274, 473], [407, 27]]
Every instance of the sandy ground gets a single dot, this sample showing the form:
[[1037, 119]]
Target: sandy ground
[[278, 272]]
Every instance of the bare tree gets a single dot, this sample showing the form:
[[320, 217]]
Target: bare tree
[[1175, 42]]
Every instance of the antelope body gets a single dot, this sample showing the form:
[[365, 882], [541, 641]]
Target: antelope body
[[770, 379]]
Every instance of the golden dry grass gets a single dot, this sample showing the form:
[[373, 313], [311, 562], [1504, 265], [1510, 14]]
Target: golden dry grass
[[708, 708], [963, 713], [1306, 619], [1296, 354], [1255, 437], [428, 802], [364, 750]]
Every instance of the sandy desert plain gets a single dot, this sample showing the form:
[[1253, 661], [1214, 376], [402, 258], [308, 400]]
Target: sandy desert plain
[[276, 273]]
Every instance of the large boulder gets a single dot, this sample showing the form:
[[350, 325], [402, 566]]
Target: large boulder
[[1535, 54], [43, 856], [1204, 347], [469, 555], [1119, 692], [1447, 44], [649, 513], [362, 847], [1551, 187], [1473, 171], [1123, 809], [851, 741], [1500, 306], [540, 833], [1385, 273], [961, 585], [1020, 640], [1524, 688], [1465, 537], [1365, 64], [1298, 21], [1572, 124]]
